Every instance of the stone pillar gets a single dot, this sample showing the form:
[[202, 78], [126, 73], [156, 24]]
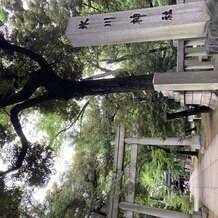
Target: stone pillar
[[157, 212], [180, 21], [193, 141], [117, 173], [130, 198], [189, 81], [211, 44]]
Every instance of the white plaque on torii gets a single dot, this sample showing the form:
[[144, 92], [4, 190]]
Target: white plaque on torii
[[180, 21]]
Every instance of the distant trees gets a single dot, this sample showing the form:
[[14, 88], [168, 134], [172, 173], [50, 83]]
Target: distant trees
[[10, 201]]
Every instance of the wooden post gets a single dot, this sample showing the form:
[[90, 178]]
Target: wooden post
[[193, 141], [117, 173], [148, 24], [153, 211]]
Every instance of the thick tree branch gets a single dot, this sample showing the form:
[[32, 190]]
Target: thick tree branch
[[18, 128], [25, 93], [78, 89], [6, 45]]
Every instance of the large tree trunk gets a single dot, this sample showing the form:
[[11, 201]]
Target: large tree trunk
[[74, 89], [57, 88]]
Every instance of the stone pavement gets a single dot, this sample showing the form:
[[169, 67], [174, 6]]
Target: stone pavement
[[204, 180]]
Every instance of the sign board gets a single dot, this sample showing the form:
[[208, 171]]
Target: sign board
[[147, 24]]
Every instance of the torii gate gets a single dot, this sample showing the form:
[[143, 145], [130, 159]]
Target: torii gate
[[127, 205], [182, 21]]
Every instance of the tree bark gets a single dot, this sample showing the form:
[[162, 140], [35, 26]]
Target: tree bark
[[103, 214], [74, 89]]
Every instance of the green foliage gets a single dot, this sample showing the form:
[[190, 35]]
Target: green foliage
[[64, 202], [3, 17], [160, 2], [152, 174], [91, 185], [55, 117], [50, 124], [6, 131], [37, 166], [178, 202]]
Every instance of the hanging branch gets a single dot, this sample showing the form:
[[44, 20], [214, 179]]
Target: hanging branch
[[90, 6], [5, 44], [18, 128], [75, 120], [150, 3]]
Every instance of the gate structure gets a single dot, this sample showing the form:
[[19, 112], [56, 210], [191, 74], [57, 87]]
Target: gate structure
[[195, 26], [192, 56], [128, 205]]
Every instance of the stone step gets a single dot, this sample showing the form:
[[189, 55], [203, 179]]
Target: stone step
[[195, 52], [204, 98], [196, 65], [195, 42]]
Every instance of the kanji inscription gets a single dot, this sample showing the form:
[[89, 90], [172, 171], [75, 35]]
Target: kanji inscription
[[168, 15], [107, 21], [168, 22], [136, 18], [84, 24]]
